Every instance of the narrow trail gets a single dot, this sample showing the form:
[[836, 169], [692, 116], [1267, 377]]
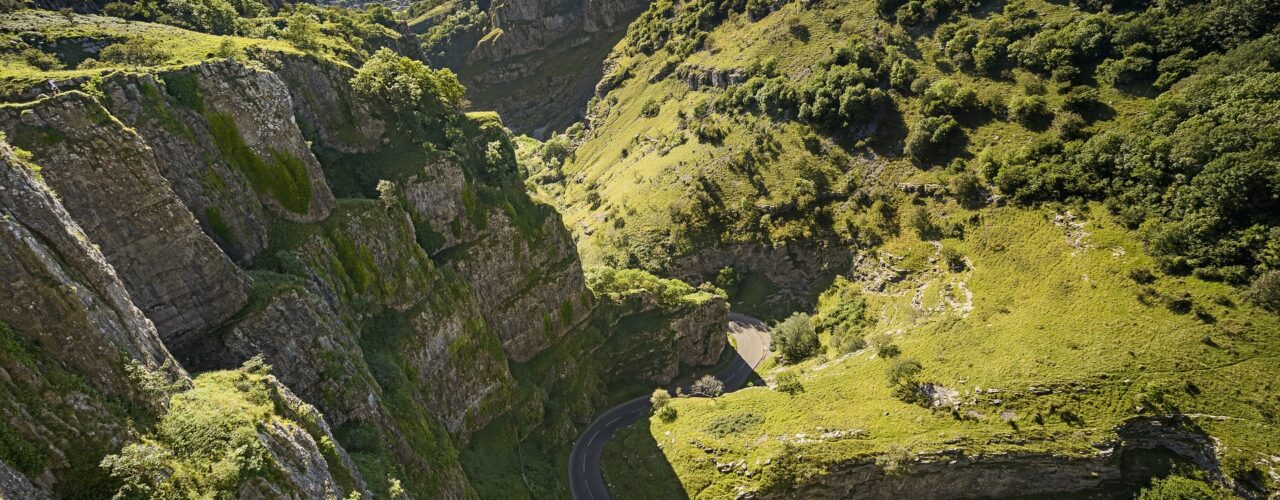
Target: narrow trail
[[586, 480]]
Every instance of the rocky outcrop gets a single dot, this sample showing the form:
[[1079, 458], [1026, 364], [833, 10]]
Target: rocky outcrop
[[794, 272], [15, 485], [656, 343], [210, 126], [304, 469], [697, 77], [111, 186], [1108, 473], [315, 353]]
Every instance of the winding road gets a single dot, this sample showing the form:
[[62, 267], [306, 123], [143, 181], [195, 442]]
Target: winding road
[[586, 480]]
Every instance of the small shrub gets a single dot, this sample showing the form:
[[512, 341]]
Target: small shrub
[[1029, 110], [708, 386], [1180, 303], [650, 108], [659, 398], [388, 193], [1142, 276], [932, 137], [883, 344], [667, 414], [1265, 291], [728, 278], [789, 383], [920, 220], [895, 461], [967, 189], [1179, 488], [953, 259], [1069, 125], [118, 9], [40, 60]]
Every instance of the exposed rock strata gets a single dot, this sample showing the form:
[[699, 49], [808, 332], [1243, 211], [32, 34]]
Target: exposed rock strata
[[110, 183], [1105, 474]]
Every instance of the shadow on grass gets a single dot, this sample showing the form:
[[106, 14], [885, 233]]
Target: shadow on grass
[[633, 463], [634, 466]]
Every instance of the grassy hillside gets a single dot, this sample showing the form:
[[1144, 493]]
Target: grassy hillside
[[1048, 335], [1076, 197], [731, 123]]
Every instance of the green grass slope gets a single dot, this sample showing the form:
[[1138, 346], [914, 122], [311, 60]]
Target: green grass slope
[[1073, 196], [1037, 306]]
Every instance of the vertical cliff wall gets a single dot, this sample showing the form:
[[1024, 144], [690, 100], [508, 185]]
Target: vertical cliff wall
[[540, 60]]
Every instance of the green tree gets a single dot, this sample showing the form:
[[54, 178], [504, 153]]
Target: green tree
[[303, 31], [931, 137], [410, 86], [659, 398], [794, 339]]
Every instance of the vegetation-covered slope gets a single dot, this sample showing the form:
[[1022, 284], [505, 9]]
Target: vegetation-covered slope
[[1066, 202], [731, 125]]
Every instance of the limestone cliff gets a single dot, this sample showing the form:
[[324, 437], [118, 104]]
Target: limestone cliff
[[173, 271], [686, 337], [1118, 469], [68, 335], [519, 67], [236, 202]]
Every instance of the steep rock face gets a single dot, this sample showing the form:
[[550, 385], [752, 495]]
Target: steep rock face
[[67, 333], [521, 277], [533, 289], [654, 343], [15, 485], [113, 189], [205, 124], [509, 70], [325, 109], [701, 333], [313, 350], [436, 326]]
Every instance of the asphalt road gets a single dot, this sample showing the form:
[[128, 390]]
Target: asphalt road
[[586, 481]]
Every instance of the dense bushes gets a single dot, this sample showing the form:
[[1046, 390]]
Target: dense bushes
[[622, 282], [794, 339], [432, 95], [931, 138], [208, 442], [841, 313]]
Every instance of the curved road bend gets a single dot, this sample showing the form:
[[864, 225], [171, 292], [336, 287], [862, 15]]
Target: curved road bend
[[586, 480]]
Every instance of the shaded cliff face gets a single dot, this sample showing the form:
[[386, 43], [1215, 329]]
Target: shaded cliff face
[[68, 330], [539, 63]]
